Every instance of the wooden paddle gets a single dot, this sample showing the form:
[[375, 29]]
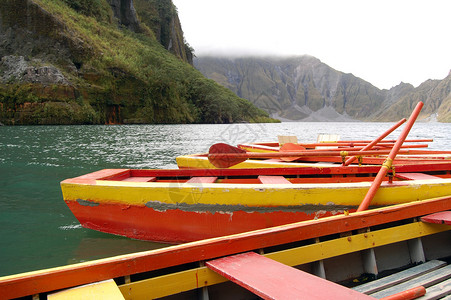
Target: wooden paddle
[[224, 156], [388, 162], [377, 140], [388, 143], [290, 147]]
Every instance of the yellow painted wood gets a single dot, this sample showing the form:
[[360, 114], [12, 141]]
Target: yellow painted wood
[[171, 284], [354, 243], [283, 139], [100, 290], [201, 277], [201, 162], [139, 193]]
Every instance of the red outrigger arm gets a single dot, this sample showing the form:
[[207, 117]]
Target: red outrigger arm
[[377, 140], [388, 162]]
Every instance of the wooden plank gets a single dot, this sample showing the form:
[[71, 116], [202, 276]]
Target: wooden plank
[[280, 171], [389, 281], [336, 247], [35, 282], [99, 290], [140, 179], [170, 284], [443, 217], [425, 280], [187, 280], [272, 280], [178, 282], [202, 180], [438, 291], [416, 176], [273, 180], [283, 139]]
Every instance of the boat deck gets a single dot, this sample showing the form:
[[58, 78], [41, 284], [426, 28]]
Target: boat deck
[[274, 176], [272, 280], [434, 276], [410, 243], [427, 281]]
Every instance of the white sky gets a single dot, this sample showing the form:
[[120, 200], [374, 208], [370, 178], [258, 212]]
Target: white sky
[[383, 42]]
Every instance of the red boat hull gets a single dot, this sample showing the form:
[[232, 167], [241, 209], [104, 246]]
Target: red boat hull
[[179, 226]]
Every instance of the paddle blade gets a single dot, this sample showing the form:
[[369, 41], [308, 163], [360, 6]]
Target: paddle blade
[[220, 156], [290, 147]]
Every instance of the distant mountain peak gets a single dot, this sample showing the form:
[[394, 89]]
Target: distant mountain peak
[[302, 88]]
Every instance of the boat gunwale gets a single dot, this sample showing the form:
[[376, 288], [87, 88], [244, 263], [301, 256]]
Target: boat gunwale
[[87, 272], [261, 186], [112, 174]]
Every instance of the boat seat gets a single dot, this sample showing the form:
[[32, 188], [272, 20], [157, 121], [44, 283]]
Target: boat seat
[[443, 217], [99, 290], [415, 176], [397, 278], [140, 179], [202, 180], [439, 276], [273, 180], [327, 138], [283, 139], [270, 279]]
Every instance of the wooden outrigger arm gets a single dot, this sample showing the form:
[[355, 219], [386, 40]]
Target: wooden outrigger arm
[[389, 161]]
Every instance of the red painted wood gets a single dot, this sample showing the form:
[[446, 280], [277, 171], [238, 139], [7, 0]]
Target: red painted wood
[[391, 156], [378, 160], [225, 162], [273, 180], [140, 179], [290, 147], [374, 142], [174, 225], [228, 159], [443, 217], [188, 173], [106, 174], [209, 249], [338, 143], [409, 294], [273, 280], [202, 180], [415, 176], [182, 175]]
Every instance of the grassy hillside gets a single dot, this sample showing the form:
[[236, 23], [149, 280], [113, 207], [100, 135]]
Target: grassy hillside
[[113, 74]]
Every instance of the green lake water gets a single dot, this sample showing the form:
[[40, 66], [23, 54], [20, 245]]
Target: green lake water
[[37, 230]]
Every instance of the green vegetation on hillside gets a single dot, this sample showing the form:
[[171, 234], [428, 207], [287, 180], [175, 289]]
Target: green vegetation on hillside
[[121, 76]]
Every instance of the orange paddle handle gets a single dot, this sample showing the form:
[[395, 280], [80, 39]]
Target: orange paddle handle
[[388, 162], [370, 145]]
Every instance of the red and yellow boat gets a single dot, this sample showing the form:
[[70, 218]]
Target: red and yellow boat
[[411, 156], [177, 206], [404, 247], [289, 153], [192, 204]]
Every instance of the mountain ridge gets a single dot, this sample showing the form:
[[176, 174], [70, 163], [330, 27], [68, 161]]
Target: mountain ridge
[[302, 88]]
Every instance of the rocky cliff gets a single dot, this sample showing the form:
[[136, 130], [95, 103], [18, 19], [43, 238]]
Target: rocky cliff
[[105, 62], [161, 16], [305, 89]]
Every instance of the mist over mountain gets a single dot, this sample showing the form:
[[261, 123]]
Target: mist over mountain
[[303, 88], [127, 62]]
